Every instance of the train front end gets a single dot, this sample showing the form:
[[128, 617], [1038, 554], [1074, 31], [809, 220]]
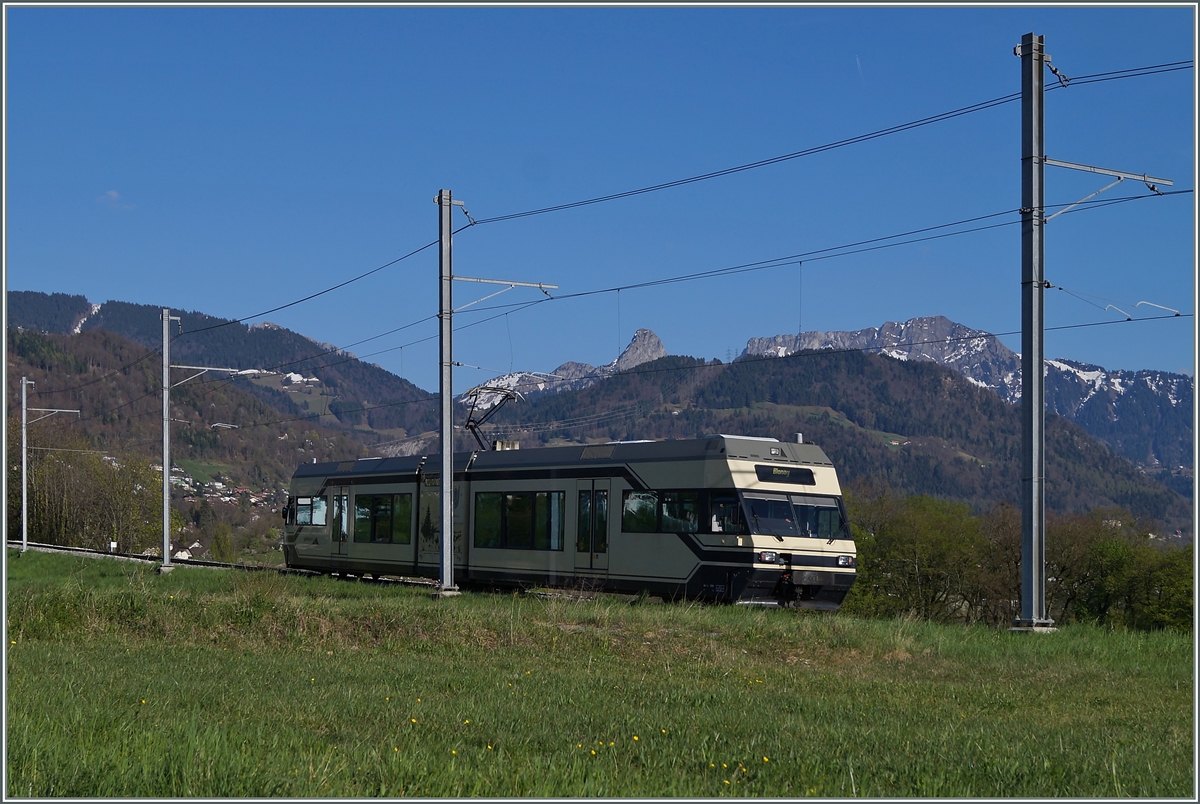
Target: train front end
[[791, 524]]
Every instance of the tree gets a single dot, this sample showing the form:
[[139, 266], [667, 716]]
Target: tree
[[916, 556], [1000, 566], [1105, 568], [222, 544], [1165, 595]]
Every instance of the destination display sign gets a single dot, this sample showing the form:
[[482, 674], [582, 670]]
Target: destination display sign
[[785, 474]]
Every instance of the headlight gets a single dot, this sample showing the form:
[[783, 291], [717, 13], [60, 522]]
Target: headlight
[[845, 561], [768, 557]]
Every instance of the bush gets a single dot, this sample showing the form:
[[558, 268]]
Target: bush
[[935, 560]]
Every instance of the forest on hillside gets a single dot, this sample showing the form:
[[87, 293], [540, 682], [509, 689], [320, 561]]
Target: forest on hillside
[[45, 312], [116, 386], [918, 427], [367, 395]]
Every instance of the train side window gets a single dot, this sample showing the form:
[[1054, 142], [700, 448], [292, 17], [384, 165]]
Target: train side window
[[680, 511], [487, 519], [726, 514], [548, 520], [373, 518], [518, 520], [362, 518], [401, 519], [639, 512], [381, 518], [310, 511], [304, 510]]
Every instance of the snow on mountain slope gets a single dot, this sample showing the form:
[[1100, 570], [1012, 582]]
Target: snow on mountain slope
[[1144, 415]]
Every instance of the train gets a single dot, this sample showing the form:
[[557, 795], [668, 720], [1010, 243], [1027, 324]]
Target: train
[[724, 518]]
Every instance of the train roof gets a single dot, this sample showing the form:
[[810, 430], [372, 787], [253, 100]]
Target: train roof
[[731, 446]]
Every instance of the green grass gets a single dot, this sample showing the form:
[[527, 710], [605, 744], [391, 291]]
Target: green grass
[[202, 472], [204, 683]]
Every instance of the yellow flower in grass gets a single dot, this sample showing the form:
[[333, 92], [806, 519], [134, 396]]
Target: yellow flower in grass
[[635, 738], [414, 720], [452, 751], [766, 760], [593, 752]]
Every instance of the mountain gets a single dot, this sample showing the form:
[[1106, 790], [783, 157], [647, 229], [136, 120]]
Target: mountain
[[1143, 415], [119, 398], [571, 376], [361, 396]]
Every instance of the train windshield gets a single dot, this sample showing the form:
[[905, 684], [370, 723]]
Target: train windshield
[[796, 515], [771, 515], [820, 517]]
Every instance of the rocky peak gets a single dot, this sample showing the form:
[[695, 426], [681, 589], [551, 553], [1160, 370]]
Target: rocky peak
[[572, 376], [976, 354], [644, 348]]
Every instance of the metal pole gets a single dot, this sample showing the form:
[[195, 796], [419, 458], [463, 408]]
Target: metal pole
[[1033, 406], [24, 482], [446, 484], [166, 436]]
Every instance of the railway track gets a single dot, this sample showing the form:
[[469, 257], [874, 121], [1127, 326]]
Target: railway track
[[195, 562], [384, 580]]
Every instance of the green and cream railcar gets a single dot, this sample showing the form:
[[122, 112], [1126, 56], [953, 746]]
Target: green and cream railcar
[[725, 518]]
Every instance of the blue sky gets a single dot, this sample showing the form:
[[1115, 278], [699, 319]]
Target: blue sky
[[229, 160]]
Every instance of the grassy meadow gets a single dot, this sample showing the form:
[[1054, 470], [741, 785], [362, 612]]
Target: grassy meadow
[[204, 683]]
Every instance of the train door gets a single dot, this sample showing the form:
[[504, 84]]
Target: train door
[[311, 523], [339, 519], [591, 536], [429, 523]]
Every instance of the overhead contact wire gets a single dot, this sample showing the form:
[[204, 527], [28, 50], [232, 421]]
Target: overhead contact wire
[[1115, 75]]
